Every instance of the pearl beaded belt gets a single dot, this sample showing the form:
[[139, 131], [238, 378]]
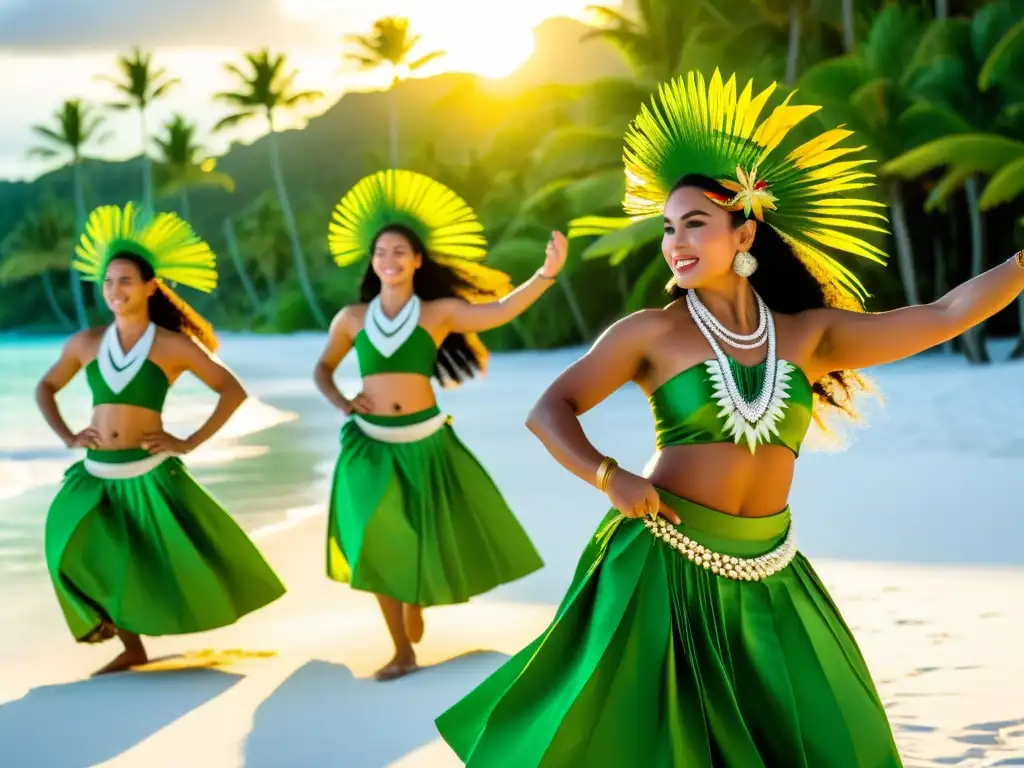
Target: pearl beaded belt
[[739, 568]]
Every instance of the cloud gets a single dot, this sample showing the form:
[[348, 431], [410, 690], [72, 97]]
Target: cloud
[[76, 25]]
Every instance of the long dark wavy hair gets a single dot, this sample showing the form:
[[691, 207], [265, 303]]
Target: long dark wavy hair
[[787, 287], [167, 309], [459, 357]]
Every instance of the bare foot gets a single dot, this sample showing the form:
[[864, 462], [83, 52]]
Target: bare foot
[[129, 658], [400, 666], [412, 615]]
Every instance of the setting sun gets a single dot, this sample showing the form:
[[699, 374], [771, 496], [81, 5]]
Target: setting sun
[[490, 40]]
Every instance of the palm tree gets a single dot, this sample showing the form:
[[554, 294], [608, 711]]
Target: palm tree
[[873, 93], [76, 127], [657, 37], [960, 76], [37, 247], [140, 85], [266, 88], [181, 164], [231, 238], [390, 44]]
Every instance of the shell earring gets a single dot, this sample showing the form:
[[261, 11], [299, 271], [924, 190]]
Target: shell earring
[[744, 264]]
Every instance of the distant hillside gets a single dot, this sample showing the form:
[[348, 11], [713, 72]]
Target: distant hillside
[[329, 154]]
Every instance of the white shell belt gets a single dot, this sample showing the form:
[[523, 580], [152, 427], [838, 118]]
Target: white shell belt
[[739, 568]]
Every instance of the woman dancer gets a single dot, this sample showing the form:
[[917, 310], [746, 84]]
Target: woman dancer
[[694, 633], [414, 517], [134, 545]]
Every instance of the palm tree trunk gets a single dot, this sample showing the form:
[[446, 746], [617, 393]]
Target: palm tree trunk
[[940, 280], [301, 272], [974, 339], [76, 283], [236, 259], [574, 306], [394, 123], [904, 245], [147, 164], [51, 299], [186, 205], [623, 282], [523, 331], [793, 54], [1018, 348], [849, 33]]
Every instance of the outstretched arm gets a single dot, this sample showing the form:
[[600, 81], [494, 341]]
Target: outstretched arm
[[464, 317], [855, 340]]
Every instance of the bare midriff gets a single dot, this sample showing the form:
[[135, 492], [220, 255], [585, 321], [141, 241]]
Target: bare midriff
[[397, 394], [123, 426], [726, 477]]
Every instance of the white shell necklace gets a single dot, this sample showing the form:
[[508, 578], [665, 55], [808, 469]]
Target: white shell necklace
[[387, 334], [739, 341], [752, 411]]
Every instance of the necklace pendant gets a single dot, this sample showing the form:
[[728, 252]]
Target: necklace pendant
[[752, 421]]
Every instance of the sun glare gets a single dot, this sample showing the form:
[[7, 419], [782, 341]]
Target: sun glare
[[489, 39]]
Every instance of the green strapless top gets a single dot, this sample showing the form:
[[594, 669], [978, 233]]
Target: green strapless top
[[692, 408], [147, 390], [417, 355]]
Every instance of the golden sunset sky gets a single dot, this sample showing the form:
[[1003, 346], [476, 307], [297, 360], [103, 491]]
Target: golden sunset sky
[[54, 49]]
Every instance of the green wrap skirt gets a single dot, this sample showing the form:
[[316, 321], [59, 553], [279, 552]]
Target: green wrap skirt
[[133, 542], [713, 645], [414, 516]]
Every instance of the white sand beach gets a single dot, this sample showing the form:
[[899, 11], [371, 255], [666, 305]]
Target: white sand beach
[[916, 529]]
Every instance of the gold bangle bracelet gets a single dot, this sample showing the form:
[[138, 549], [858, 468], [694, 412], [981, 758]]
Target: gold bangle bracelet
[[604, 472], [1019, 258]]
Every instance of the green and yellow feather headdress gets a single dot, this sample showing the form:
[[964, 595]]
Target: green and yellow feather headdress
[[692, 127], [445, 223], [167, 242]]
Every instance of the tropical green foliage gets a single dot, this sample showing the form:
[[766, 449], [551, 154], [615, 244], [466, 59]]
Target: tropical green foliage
[[932, 89]]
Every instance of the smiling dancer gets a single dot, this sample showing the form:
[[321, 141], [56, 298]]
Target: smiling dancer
[[694, 633], [134, 546], [414, 517]]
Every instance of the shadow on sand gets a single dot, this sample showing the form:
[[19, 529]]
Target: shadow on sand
[[81, 724], [323, 715]]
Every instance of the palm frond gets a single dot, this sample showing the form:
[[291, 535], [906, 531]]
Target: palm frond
[[976, 152], [233, 120], [43, 152], [1009, 44], [302, 97], [422, 61], [1005, 185]]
